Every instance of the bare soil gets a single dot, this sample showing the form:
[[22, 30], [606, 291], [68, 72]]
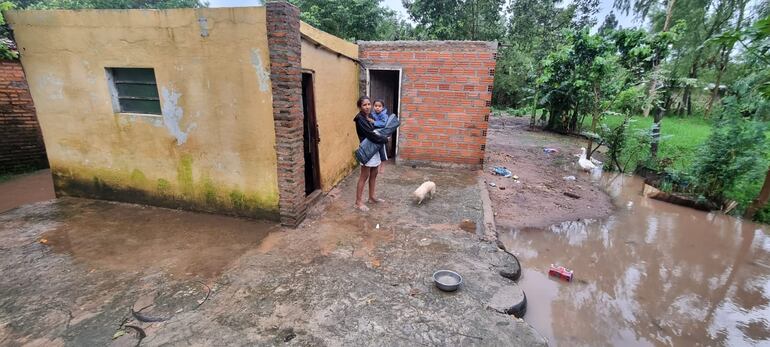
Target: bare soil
[[541, 196]]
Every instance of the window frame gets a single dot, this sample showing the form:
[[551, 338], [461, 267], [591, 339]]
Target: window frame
[[116, 96]]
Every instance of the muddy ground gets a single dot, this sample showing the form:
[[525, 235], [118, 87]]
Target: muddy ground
[[73, 269], [26, 189], [537, 198]]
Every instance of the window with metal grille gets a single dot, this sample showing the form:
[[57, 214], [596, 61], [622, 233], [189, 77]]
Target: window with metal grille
[[134, 90]]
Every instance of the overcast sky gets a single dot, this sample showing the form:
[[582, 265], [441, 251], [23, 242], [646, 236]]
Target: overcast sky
[[606, 7]]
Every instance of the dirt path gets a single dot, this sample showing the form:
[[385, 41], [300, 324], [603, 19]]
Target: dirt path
[[540, 196], [26, 189]]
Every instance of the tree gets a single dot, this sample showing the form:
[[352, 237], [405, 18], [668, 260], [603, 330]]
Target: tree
[[728, 155], [610, 24], [534, 30], [350, 19], [457, 19], [704, 19], [725, 50], [574, 79], [396, 28], [755, 40], [662, 40], [643, 8], [657, 59], [585, 14]]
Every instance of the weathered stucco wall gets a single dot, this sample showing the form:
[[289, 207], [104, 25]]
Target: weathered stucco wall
[[335, 75], [213, 147]]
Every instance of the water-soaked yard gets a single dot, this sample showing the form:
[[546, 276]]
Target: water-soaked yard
[[646, 272], [649, 273], [74, 269]]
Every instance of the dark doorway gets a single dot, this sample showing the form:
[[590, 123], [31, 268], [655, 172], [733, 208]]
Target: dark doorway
[[386, 85], [310, 136]]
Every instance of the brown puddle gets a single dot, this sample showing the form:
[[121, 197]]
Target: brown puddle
[[651, 274], [26, 189], [133, 238]]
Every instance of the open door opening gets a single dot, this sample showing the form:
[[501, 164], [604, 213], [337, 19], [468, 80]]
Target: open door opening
[[310, 136], [386, 85]]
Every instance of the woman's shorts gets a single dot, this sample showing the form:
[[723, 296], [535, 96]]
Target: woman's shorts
[[374, 162]]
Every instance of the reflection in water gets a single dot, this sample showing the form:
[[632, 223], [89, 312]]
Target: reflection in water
[[651, 274]]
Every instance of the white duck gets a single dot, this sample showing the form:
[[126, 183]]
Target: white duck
[[584, 163], [593, 160]]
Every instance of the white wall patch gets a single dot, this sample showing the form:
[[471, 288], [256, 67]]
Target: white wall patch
[[172, 116], [53, 86], [262, 74]]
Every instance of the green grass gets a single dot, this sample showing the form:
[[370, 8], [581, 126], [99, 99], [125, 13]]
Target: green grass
[[680, 141], [680, 137], [510, 112]]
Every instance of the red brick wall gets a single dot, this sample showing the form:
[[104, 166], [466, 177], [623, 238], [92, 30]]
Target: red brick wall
[[284, 43], [21, 143], [446, 95]]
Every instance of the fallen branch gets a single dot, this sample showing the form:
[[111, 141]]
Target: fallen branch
[[208, 292], [572, 195], [139, 331], [145, 319], [470, 336]]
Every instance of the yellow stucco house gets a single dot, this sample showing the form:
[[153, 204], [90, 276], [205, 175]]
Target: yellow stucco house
[[244, 111], [192, 108]]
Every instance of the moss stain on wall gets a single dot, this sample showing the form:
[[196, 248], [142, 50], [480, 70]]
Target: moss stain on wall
[[133, 186], [184, 175]]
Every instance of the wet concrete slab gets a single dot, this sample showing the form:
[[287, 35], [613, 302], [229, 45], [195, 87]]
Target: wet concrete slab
[[74, 269], [26, 189]]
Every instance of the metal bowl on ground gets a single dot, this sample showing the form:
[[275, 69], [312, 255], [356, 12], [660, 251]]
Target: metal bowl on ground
[[447, 280]]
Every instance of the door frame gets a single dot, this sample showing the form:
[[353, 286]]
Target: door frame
[[400, 81], [315, 155]]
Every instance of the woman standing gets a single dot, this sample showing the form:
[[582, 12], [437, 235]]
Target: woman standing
[[369, 170]]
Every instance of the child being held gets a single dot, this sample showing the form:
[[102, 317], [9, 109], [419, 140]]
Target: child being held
[[380, 115]]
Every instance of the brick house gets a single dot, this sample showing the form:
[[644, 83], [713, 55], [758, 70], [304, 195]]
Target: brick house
[[21, 143], [445, 94], [243, 111]]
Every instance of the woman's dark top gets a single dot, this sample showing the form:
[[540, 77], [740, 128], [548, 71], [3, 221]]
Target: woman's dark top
[[364, 129]]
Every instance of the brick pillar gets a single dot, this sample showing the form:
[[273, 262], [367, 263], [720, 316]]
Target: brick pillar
[[21, 143], [284, 42]]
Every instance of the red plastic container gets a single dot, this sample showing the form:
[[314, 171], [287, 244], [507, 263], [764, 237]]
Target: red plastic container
[[561, 272]]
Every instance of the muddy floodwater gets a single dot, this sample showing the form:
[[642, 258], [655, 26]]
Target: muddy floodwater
[[124, 237], [26, 189], [651, 274]]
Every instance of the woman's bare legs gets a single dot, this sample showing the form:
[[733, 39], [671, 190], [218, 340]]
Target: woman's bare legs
[[373, 184], [365, 173]]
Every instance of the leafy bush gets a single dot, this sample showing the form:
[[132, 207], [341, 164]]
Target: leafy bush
[[729, 156], [626, 146], [7, 47]]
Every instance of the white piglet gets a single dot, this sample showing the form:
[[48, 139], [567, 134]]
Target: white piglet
[[427, 189]]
